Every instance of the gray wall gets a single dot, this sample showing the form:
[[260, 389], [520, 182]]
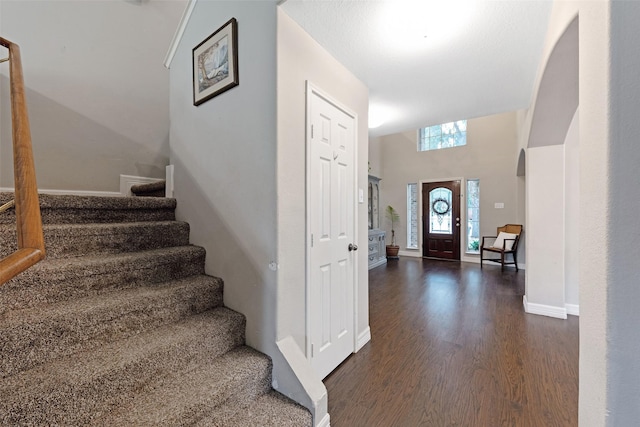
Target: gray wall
[[224, 153], [490, 156], [624, 232], [240, 177], [97, 91]]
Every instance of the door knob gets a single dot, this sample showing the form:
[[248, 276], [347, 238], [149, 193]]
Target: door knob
[[353, 247]]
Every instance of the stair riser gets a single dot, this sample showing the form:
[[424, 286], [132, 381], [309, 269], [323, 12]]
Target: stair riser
[[82, 210], [87, 216], [25, 343], [41, 285], [224, 413], [73, 241], [99, 394], [253, 386], [222, 397]]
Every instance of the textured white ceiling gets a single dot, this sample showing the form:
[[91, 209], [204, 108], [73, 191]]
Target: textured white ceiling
[[478, 58]]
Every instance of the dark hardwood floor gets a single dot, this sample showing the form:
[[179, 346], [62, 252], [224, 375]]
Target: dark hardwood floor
[[452, 346]]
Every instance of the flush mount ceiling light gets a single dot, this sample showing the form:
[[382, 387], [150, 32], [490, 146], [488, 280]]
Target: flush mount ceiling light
[[407, 24]]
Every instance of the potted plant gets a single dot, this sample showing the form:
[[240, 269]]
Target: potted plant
[[392, 249]]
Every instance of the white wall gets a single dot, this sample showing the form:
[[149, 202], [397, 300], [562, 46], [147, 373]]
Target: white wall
[[545, 231], [490, 155], [572, 214], [301, 59], [375, 156], [97, 92], [609, 295]]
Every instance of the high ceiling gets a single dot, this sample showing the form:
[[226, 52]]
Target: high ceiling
[[432, 61]]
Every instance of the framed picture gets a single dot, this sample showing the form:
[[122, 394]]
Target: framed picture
[[215, 63]]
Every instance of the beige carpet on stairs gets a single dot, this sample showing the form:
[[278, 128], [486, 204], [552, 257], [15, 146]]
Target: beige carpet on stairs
[[120, 326]]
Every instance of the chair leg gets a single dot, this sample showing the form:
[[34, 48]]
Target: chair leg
[[502, 260], [515, 260], [481, 252]]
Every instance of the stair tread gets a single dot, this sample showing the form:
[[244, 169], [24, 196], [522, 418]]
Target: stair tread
[[269, 410], [150, 189], [76, 264], [98, 380], [102, 225], [35, 335], [114, 225], [197, 391]]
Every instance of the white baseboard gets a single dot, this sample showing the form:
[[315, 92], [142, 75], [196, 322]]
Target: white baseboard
[[471, 259], [363, 338], [544, 310], [410, 253], [324, 422], [573, 309], [70, 192], [476, 260], [128, 181], [464, 258]]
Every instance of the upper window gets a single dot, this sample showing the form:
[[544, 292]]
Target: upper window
[[446, 135]]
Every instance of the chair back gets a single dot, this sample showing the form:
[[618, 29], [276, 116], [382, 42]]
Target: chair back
[[513, 229]]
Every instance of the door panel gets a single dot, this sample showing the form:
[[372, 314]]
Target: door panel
[[332, 225], [441, 219]]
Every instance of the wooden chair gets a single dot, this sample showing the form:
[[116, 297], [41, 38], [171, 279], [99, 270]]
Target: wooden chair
[[505, 244]]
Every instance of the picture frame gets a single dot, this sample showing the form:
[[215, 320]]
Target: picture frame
[[215, 63]]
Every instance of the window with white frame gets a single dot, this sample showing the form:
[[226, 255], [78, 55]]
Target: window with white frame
[[412, 216], [473, 215], [446, 135]]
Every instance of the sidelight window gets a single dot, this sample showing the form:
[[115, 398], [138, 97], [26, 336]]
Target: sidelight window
[[473, 215], [412, 216]]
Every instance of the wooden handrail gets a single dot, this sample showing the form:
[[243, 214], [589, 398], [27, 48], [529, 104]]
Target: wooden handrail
[[28, 219]]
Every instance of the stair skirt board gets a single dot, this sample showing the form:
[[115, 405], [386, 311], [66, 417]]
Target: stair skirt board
[[120, 325]]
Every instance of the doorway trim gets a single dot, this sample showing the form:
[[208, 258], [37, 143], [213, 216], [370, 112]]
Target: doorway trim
[[310, 89]]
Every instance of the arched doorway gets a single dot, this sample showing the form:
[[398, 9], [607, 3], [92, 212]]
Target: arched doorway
[[546, 165]]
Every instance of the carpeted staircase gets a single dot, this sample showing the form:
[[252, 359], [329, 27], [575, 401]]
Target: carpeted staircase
[[120, 326]]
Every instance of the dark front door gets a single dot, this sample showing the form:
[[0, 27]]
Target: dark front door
[[441, 220]]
